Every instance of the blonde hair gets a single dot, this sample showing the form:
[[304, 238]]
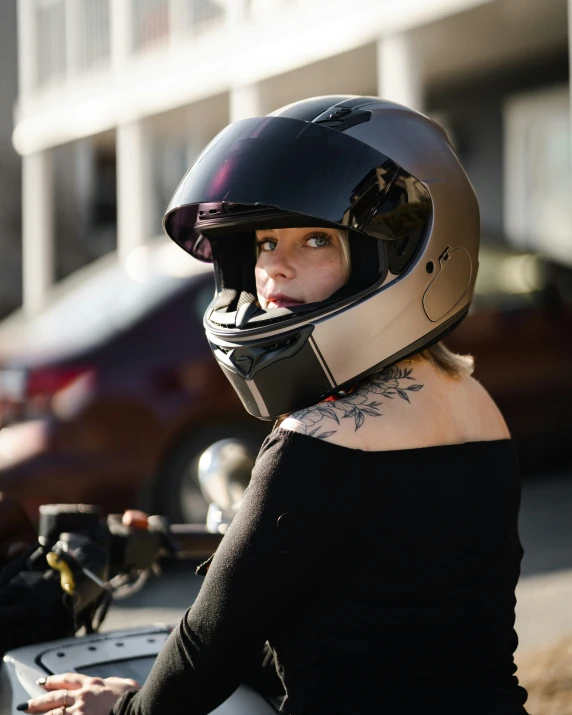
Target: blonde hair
[[452, 364]]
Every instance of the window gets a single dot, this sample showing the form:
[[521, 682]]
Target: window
[[538, 173]]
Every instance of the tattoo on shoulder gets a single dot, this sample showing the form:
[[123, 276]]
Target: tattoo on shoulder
[[366, 401]]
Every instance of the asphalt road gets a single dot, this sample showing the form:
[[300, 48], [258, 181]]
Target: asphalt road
[[544, 594]]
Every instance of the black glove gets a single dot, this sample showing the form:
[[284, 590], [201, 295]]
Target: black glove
[[33, 609]]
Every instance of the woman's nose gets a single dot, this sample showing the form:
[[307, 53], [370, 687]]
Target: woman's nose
[[280, 264]]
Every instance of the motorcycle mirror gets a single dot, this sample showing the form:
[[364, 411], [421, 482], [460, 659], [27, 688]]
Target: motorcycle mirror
[[224, 473]]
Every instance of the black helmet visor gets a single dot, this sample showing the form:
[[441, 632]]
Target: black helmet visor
[[282, 163]]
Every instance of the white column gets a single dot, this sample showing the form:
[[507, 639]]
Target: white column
[[245, 102], [399, 72], [133, 200], [37, 228]]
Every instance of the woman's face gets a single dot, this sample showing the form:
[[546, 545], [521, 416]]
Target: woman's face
[[297, 265]]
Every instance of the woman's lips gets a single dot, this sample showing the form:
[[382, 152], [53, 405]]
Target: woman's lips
[[281, 301]]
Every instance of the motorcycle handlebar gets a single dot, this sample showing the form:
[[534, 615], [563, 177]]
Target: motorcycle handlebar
[[194, 541], [97, 557], [133, 546]]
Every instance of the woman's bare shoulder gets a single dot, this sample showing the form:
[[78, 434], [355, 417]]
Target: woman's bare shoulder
[[481, 413], [404, 407], [366, 417]]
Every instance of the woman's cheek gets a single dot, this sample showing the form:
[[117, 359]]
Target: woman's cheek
[[259, 277], [323, 281]]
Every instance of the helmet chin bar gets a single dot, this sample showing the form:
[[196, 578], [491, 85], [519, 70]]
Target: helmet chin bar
[[248, 359], [289, 372], [275, 376]]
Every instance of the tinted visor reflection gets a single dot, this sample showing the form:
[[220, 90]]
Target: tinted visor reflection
[[273, 161]]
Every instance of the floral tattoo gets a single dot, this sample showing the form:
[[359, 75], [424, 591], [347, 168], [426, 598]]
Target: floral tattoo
[[364, 402]]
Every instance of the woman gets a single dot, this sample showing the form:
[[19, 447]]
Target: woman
[[377, 547]]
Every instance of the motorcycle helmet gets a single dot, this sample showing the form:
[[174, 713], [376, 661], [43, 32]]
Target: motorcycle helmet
[[384, 173]]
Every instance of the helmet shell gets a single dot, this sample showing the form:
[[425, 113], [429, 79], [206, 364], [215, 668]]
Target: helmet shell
[[292, 358]]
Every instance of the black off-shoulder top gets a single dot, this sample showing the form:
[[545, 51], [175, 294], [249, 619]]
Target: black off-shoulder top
[[383, 581]]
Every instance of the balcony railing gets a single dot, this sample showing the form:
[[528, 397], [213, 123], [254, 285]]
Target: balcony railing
[[94, 33], [74, 37], [150, 23], [71, 36], [50, 21], [203, 13]]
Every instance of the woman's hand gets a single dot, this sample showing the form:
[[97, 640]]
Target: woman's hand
[[79, 694]]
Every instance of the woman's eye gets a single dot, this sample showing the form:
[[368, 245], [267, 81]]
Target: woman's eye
[[318, 241], [266, 245]]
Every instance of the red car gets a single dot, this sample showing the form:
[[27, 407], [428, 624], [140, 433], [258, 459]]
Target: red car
[[110, 393]]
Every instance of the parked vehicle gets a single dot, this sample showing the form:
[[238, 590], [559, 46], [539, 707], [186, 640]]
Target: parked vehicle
[[109, 394]]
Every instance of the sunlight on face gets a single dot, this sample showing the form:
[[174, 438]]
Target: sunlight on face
[[297, 266]]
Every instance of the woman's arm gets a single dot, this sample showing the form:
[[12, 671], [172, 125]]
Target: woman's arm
[[253, 580], [250, 584]]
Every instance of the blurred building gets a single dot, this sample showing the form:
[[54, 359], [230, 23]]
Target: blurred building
[[116, 98], [10, 173]]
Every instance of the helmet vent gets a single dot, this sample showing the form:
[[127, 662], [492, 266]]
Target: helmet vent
[[225, 299], [342, 118], [245, 299]]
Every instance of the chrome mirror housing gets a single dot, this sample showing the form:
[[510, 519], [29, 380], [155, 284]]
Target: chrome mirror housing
[[224, 473]]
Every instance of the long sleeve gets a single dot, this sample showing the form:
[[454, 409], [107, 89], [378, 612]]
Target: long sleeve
[[253, 580]]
